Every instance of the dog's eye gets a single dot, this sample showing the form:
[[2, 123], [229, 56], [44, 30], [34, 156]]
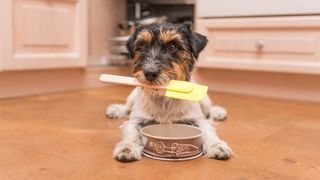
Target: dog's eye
[[140, 45], [140, 48], [172, 48]]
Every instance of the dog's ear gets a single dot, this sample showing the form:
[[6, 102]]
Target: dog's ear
[[132, 39], [197, 41], [130, 44]]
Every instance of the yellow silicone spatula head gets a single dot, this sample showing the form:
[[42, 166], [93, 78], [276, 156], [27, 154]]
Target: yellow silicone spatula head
[[180, 86], [186, 90]]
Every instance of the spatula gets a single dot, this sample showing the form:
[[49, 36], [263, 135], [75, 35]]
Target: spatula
[[175, 89]]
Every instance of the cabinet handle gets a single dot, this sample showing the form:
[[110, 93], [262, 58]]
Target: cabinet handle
[[259, 44]]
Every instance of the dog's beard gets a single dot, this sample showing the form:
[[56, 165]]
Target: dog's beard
[[162, 80]]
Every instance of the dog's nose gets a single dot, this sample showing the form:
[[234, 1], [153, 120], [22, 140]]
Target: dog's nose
[[151, 74]]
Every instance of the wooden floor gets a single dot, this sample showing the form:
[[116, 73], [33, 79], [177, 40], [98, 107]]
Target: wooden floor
[[67, 136]]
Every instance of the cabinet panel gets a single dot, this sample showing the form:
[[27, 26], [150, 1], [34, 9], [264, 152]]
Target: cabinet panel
[[46, 34], [284, 44], [44, 27]]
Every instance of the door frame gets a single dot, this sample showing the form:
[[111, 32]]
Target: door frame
[[2, 26]]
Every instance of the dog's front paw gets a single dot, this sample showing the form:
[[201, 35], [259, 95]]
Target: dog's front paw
[[127, 152], [218, 113], [219, 150], [115, 111]]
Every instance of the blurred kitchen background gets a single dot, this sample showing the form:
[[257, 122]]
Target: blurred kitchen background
[[261, 48]]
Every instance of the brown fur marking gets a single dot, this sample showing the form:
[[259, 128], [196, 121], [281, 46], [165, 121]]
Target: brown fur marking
[[137, 57], [145, 35], [169, 35], [179, 71]]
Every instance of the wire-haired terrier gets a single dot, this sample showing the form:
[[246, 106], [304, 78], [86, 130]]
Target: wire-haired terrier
[[164, 52]]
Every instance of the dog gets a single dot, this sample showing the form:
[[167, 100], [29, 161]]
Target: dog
[[164, 52]]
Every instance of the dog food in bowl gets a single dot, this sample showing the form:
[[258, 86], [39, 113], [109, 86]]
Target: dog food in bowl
[[174, 142]]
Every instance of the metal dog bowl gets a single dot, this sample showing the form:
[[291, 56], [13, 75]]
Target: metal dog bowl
[[176, 142]]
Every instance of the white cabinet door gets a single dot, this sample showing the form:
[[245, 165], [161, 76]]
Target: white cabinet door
[[45, 33], [275, 44], [233, 8]]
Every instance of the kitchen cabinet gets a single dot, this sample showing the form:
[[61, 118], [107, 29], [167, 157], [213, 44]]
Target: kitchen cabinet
[[285, 44], [261, 48], [39, 34], [278, 44]]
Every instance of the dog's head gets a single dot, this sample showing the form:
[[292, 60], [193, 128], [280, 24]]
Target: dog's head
[[163, 52]]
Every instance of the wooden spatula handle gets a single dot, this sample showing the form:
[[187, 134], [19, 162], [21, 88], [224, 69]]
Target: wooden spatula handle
[[127, 81], [119, 79]]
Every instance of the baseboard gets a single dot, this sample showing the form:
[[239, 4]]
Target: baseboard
[[266, 84], [36, 82], [276, 85]]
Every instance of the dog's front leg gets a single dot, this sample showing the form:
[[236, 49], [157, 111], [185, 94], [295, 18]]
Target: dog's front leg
[[115, 111], [213, 112], [131, 145], [213, 146]]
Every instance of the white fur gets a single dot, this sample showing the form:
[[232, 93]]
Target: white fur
[[116, 111], [146, 105], [121, 110], [212, 112], [217, 113]]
